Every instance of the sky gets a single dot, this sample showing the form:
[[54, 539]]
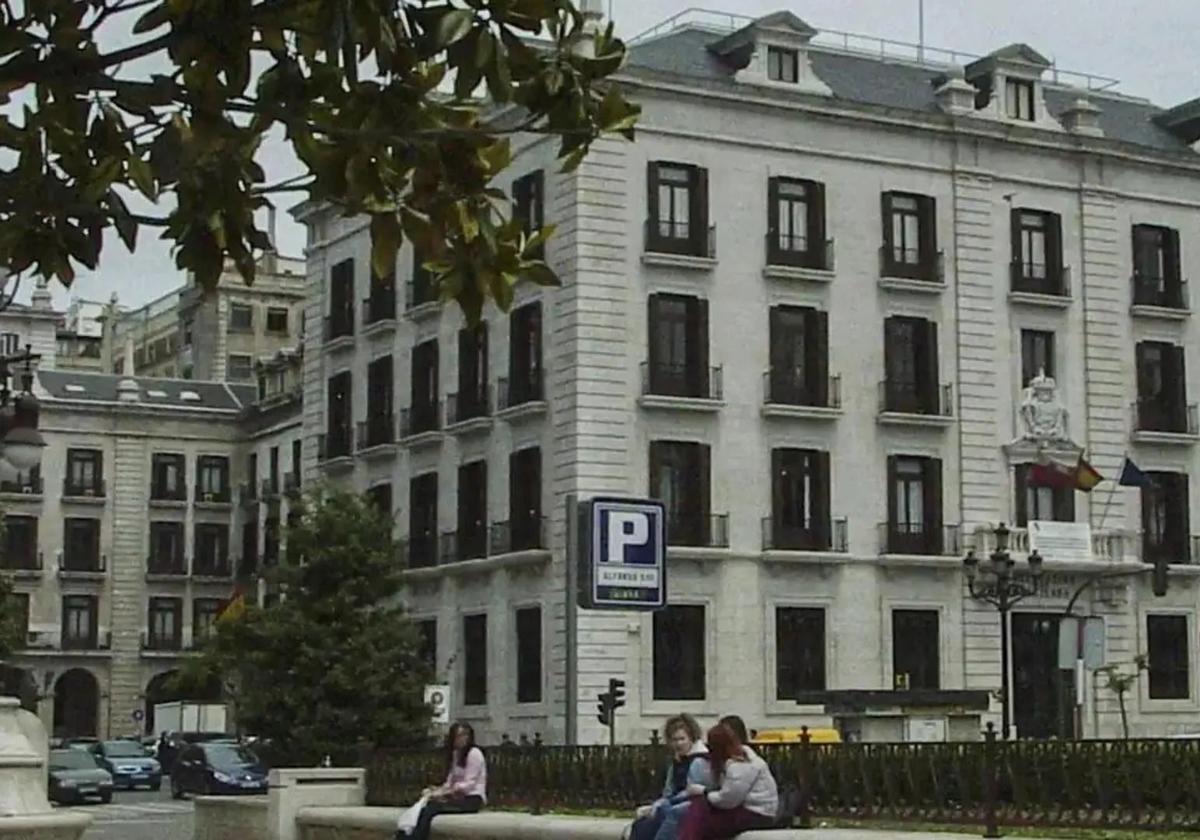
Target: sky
[[1148, 46]]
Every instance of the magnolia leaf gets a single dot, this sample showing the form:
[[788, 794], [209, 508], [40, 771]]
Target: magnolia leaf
[[143, 177], [453, 26], [540, 273]]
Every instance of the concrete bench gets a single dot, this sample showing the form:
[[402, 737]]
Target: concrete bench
[[367, 823]]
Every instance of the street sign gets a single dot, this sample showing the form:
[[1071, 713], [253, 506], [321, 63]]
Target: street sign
[[438, 697], [1075, 644], [623, 552]]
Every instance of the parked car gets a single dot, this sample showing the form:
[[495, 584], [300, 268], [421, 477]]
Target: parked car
[[88, 744], [75, 777], [176, 741], [129, 765], [218, 767]]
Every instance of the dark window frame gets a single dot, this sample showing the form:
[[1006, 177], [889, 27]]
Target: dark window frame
[[912, 366], [244, 323], [525, 499], [525, 354], [20, 541], [680, 668], [210, 538], [162, 466], [529, 205], [85, 472], [1166, 514], [81, 534], [239, 367], [917, 259], [471, 510], [425, 388], [783, 65], [686, 466], [913, 534], [381, 400], [1029, 227], [672, 187], [208, 466], [274, 313], [475, 659], [164, 534], [800, 665], [911, 649], [339, 418], [1019, 99], [341, 299], [527, 622], [1162, 402], [423, 520], [1169, 671], [78, 610], [785, 245], [678, 323], [473, 371], [800, 494], [164, 606], [1044, 503], [1157, 269], [1037, 355], [205, 612], [798, 338]]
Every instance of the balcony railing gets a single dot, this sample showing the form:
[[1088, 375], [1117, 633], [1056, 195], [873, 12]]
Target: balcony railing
[[1163, 416], [24, 484], [910, 264], [1040, 279], [23, 561], [339, 326], [687, 381], [918, 538], [377, 430], [152, 641], [84, 489], [1160, 292], [94, 565], [420, 291], [514, 391], [248, 493], [419, 551], [797, 251], [805, 536], [457, 546], [380, 306], [909, 398], [220, 567], [698, 530], [208, 495], [663, 236], [425, 417], [1110, 546], [268, 489], [528, 534], [784, 387], [468, 405], [159, 493], [333, 444], [291, 483], [96, 641], [167, 566]]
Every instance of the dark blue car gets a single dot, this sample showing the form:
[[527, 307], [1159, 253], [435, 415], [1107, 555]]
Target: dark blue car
[[128, 764], [218, 767]]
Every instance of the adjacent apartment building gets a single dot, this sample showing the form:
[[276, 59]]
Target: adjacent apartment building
[[802, 310]]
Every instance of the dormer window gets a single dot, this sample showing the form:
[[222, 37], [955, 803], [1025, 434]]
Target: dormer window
[[783, 65], [1018, 98]]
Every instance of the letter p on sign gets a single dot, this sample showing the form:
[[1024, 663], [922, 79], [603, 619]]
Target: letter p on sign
[[626, 529]]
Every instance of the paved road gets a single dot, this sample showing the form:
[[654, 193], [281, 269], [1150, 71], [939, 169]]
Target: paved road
[[140, 815]]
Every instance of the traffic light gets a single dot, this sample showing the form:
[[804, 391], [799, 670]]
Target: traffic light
[[616, 693], [1160, 577], [604, 709]]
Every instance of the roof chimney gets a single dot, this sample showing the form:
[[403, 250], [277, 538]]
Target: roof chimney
[[271, 227], [40, 299], [1082, 117], [955, 95], [127, 388]]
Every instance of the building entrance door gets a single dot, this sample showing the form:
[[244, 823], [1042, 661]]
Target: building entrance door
[[1042, 693]]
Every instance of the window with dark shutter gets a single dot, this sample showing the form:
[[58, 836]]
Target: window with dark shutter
[[1036, 502], [799, 651], [165, 622], [211, 549], [525, 355], [914, 505], [472, 510], [910, 350], [799, 350], [381, 424], [380, 497], [1165, 518], [422, 521], [80, 622], [916, 650], [679, 478], [277, 320], [796, 223], [1157, 277], [381, 301], [909, 236], [241, 317], [1037, 355], [249, 547], [212, 478], [678, 205], [166, 549], [424, 416], [783, 65], [338, 415], [422, 288], [525, 499], [1018, 99], [529, 205], [427, 645], [85, 473], [1169, 650], [678, 330], [20, 542], [475, 660], [1037, 262], [472, 398], [529, 655], [1162, 388], [204, 618], [679, 646], [81, 545], [341, 300], [800, 500]]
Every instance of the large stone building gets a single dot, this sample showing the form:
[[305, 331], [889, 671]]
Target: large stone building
[[139, 525], [802, 310], [217, 336]]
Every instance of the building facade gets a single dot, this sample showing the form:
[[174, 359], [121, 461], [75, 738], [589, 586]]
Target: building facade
[[804, 310]]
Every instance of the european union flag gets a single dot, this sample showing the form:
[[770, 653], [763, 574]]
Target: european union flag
[[1132, 476]]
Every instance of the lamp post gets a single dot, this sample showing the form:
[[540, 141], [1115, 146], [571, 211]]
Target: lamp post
[[21, 443], [996, 583]]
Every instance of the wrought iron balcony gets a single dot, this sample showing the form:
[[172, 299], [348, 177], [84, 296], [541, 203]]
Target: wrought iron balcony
[[687, 381], [468, 405], [1161, 292], [780, 535], [785, 387], [153, 641], [1167, 416], [24, 484], [911, 398], [84, 489], [919, 538], [166, 566], [796, 251], [698, 530], [1040, 279], [425, 417], [682, 238], [526, 534], [335, 443], [340, 325], [514, 391]]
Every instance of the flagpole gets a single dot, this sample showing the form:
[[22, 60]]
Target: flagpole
[[1111, 493]]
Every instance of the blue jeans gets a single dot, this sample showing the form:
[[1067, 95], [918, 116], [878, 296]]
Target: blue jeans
[[647, 828], [672, 817]]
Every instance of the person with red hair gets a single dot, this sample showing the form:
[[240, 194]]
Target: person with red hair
[[743, 795]]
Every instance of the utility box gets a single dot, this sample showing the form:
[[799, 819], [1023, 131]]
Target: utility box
[[184, 716]]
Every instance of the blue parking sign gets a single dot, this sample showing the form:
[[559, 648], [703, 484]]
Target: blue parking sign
[[623, 556]]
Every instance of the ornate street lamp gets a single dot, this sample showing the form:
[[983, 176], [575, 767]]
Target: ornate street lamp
[[21, 444], [997, 584]]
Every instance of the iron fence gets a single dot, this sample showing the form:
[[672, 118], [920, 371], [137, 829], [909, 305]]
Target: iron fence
[[1146, 785]]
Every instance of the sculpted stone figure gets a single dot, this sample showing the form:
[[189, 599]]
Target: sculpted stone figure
[[1045, 418]]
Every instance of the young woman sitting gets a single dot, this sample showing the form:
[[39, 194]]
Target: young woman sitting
[[465, 788], [742, 797]]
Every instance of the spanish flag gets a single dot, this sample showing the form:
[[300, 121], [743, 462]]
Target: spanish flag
[[235, 609], [1082, 476], [1086, 477]]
